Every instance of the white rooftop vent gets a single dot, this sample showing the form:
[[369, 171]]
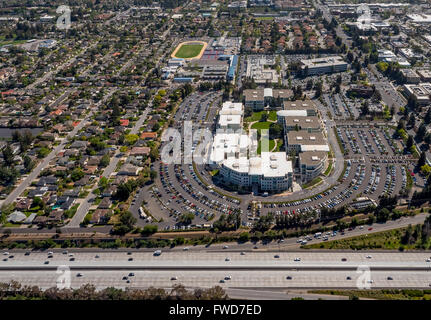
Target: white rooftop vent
[[273, 157], [315, 158], [229, 119], [293, 104], [312, 138], [307, 120], [305, 104], [235, 165], [273, 166], [295, 120], [298, 138]]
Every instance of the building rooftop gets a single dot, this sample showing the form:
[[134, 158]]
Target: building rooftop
[[306, 138], [312, 158]]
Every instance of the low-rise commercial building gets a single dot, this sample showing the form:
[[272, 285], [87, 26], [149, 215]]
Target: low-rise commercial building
[[420, 91], [323, 65]]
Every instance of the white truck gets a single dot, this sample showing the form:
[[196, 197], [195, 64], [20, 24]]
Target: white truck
[[142, 214], [317, 234]]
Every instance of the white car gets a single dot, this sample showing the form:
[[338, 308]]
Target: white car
[[6, 253], [225, 247], [186, 249], [369, 257], [428, 260], [297, 259]]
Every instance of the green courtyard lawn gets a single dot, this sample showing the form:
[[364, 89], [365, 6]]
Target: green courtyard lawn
[[261, 125], [271, 145], [189, 50], [256, 116], [272, 115]]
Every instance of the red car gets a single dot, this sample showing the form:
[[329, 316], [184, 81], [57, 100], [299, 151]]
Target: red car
[[369, 229]]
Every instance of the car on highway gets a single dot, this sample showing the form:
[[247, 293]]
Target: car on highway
[[349, 278], [227, 259], [343, 259], [157, 253], [276, 256], [125, 278], [368, 257], [225, 247], [390, 278], [6, 253], [131, 274], [174, 278], [242, 253], [428, 260], [297, 259], [289, 278], [46, 262], [186, 249], [228, 278], [27, 253], [221, 281], [79, 274]]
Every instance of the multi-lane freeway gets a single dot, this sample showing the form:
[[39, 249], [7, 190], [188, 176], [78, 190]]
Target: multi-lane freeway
[[227, 268]]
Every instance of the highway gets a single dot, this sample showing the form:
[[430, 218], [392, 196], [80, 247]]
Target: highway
[[250, 270]]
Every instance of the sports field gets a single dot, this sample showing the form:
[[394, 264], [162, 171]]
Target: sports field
[[190, 50]]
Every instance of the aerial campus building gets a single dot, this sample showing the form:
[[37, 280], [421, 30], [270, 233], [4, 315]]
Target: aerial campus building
[[230, 152], [318, 66], [257, 99], [234, 152]]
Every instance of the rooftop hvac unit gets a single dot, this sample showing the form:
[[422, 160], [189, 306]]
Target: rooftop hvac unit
[[273, 157], [314, 158], [312, 138], [235, 165], [273, 166]]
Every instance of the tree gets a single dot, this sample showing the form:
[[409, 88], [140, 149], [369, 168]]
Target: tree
[[427, 118], [186, 218], [409, 143], [103, 183], [422, 160], [8, 155], [104, 162], [153, 175], [149, 229], [420, 134], [77, 174], [125, 224], [28, 163], [412, 120]]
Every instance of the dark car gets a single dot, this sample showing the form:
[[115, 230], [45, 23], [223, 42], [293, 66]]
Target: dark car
[[289, 278]]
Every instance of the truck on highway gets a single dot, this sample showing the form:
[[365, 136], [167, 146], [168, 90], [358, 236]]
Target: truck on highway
[[317, 234]]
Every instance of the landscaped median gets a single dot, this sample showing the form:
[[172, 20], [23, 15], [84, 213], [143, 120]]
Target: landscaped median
[[313, 183], [205, 183]]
